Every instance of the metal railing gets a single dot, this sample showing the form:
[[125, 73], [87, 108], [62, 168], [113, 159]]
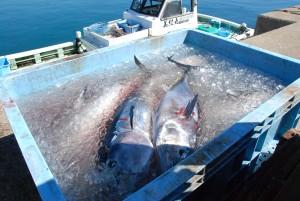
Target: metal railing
[[29, 58]]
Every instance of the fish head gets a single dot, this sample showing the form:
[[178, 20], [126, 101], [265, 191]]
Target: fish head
[[131, 153], [176, 142]]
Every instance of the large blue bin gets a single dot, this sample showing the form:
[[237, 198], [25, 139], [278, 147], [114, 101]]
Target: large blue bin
[[240, 146]]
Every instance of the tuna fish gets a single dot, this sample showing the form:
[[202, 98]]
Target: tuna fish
[[129, 145], [94, 107], [131, 148], [176, 124]]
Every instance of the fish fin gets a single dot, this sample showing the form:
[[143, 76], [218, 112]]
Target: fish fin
[[83, 93], [170, 58], [131, 114], [185, 67], [190, 106], [139, 63], [141, 66], [114, 137]]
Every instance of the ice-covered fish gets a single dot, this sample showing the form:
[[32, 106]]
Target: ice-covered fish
[[131, 149], [83, 125], [176, 124], [131, 157]]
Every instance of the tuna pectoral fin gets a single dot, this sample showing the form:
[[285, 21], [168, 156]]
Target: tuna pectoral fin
[[131, 113], [190, 106]]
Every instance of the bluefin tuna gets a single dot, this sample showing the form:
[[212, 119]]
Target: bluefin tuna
[[128, 149], [128, 143], [176, 124], [131, 149], [95, 106]]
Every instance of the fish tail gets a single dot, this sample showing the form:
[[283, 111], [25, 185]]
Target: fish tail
[[185, 67]]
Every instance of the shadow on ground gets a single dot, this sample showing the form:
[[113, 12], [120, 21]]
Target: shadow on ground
[[16, 183]]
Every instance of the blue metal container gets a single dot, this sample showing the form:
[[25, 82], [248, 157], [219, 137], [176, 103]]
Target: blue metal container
[[241, 146]]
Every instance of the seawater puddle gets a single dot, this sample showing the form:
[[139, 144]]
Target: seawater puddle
[[70, 119]]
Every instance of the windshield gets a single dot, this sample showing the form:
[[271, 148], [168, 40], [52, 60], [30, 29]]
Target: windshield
[[147, 7]]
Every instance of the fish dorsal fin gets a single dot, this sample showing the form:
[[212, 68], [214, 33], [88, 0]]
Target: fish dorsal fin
[[190, 106], [139, 63], [131, 114], [141, 66]]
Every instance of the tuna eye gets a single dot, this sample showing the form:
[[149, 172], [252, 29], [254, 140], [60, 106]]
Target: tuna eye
[[111, 163], [171, 130], [182, 153], [170, 125]]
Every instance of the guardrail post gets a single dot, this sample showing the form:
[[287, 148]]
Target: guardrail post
[[13, 64], [60, 52], [37, 58]]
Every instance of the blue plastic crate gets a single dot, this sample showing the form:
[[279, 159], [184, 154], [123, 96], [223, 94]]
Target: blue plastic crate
[[128, 26], [99, 27], [224, 32]]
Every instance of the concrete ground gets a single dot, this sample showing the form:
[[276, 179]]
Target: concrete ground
[[16, 183], [4, 125], [278, 31]]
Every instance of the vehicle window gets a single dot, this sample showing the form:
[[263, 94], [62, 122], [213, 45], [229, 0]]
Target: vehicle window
[[187, 5], [136, 5], [173, 8], [148, 7]]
